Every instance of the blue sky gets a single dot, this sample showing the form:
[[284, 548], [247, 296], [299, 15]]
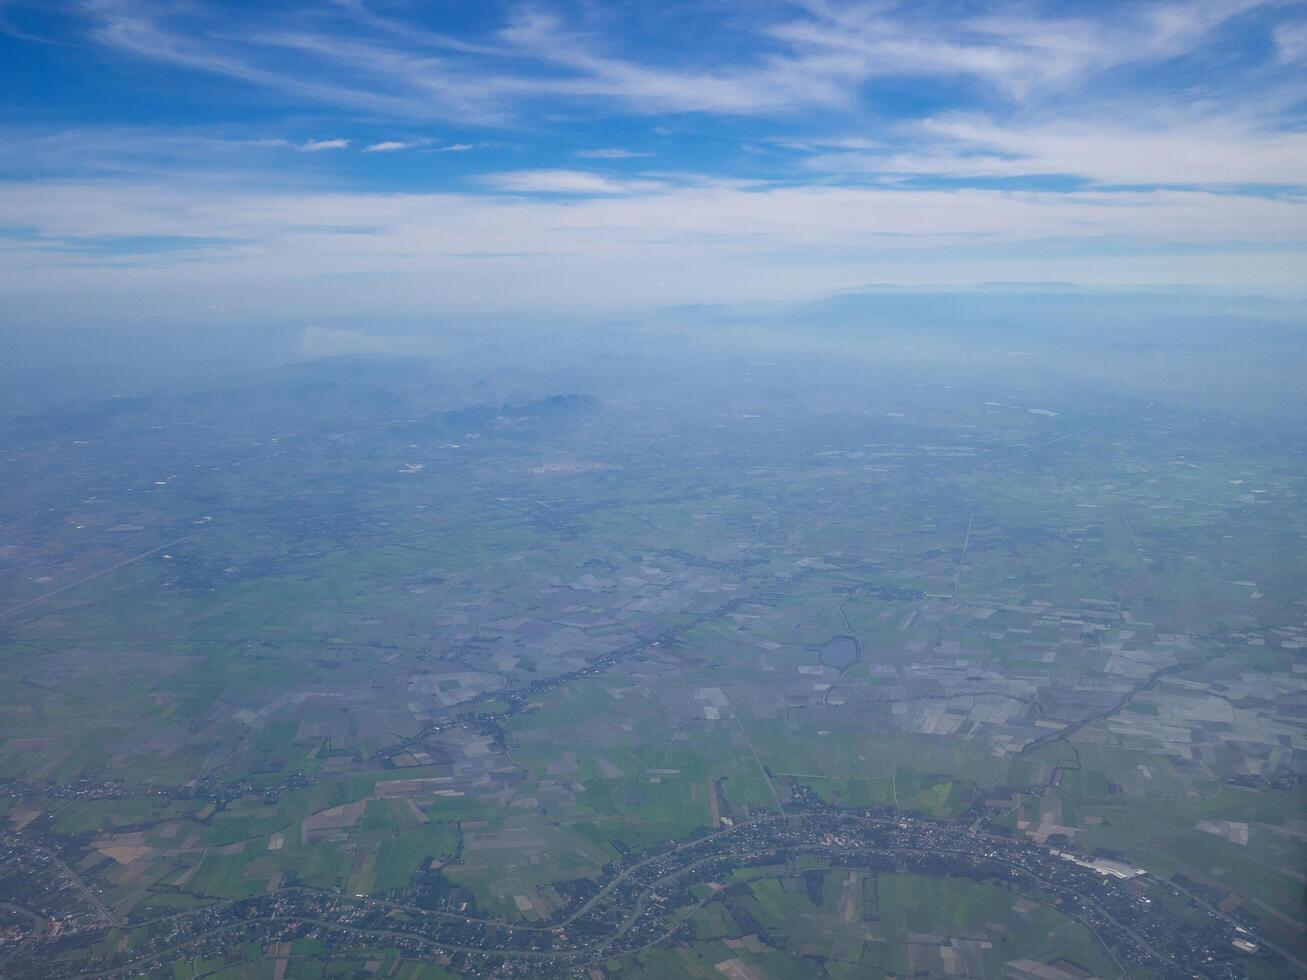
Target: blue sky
[[186, 158]]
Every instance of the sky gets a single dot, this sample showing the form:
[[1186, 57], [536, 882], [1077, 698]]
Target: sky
[[201, 162]]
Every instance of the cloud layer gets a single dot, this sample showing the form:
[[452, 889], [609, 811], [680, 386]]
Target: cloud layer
[[336, 156]]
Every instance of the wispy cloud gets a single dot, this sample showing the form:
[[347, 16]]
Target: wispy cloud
[[820, 55], [1290, 42], [139, 32], [567, 182], [563, 229], [1167, 153], [610, 153], [1011, 46], [805, 147], [391, 146], [306, 146], [317, 146]]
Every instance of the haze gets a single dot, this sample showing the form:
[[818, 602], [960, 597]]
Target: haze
[[721, 489]]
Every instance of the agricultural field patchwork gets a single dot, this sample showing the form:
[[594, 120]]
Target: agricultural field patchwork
[[962, 678]]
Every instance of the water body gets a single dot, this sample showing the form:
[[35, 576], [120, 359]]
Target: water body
[[840, 652]]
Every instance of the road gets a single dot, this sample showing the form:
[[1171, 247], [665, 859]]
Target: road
[[12, 610]]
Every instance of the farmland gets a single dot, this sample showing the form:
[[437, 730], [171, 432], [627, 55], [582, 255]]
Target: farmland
[[316, 645]]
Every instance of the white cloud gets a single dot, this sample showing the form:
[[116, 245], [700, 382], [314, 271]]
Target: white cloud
[[566, 182], [317, 146], [1054, 105], [129, 29], [610, 153], [1218, 151], [1223, 151], [1290, 42], [565, 243], [391, 146], [820, 55]]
